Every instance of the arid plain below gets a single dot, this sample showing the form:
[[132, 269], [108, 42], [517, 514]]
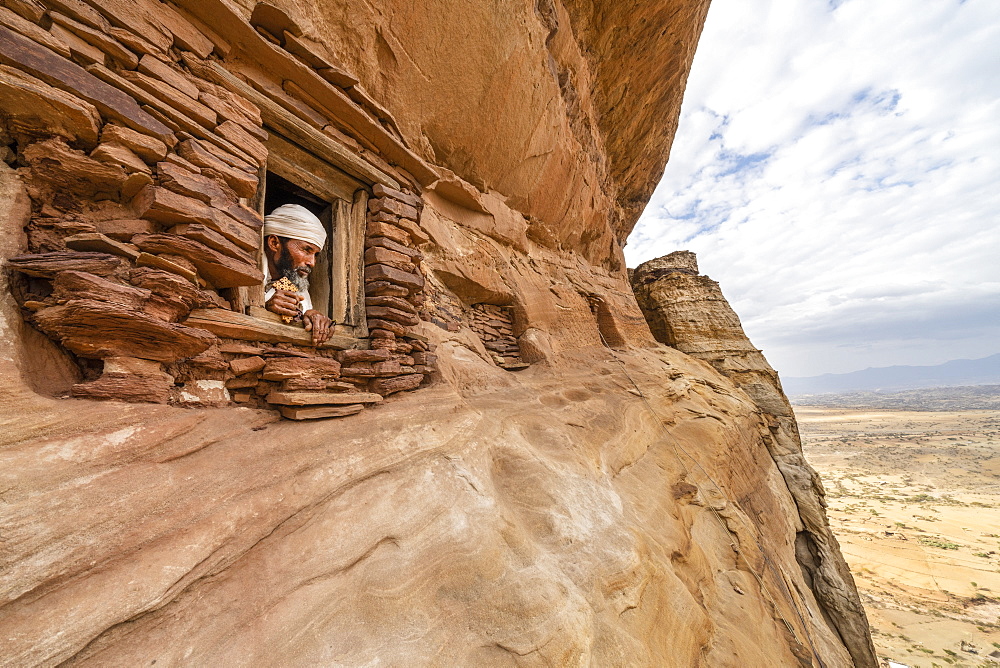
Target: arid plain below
[[914, 499]]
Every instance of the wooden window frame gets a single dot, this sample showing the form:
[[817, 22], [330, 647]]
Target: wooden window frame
[[349, 200]]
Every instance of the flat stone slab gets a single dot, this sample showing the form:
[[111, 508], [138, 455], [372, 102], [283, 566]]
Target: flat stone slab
[[321, 398], [318, 412]]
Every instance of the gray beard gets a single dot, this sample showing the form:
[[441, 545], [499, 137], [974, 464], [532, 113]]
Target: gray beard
[[301, 282], [283, 263]]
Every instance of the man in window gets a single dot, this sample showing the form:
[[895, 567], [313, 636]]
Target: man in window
[[293, 236]]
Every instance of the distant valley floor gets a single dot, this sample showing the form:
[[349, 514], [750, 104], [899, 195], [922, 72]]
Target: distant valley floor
[[914, 499], [969, 397]]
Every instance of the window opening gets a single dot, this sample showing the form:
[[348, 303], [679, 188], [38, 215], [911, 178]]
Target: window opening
[[280, 191], [296, 176]]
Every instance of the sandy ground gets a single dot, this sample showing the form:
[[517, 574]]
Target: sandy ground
[[914, 499]]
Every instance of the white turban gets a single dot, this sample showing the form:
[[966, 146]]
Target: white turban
[[295, 222]]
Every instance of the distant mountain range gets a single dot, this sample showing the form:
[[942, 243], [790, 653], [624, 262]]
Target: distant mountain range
[[985, 371]]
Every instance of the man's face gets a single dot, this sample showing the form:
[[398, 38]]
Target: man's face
[[293, 258]]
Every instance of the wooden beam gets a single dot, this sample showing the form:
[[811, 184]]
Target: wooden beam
[[305, 169], [248, 45], [340, 261], [320, 285], [357, 224], [232, 325], [309, 138]]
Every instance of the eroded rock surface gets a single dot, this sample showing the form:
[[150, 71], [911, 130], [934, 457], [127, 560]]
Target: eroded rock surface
[[548, 522], [566, 491], [688, 312], [550, 104]]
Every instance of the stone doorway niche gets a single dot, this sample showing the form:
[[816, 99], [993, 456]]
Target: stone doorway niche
[[495, 325], [606, 326]]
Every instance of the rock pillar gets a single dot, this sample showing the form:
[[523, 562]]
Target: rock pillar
[[688, 312]]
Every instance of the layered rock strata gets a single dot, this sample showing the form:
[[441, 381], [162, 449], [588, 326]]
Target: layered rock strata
[[144, 158], [614, 503], [688, 312]]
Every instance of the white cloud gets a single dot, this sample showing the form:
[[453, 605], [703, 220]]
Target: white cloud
[[836, 169]]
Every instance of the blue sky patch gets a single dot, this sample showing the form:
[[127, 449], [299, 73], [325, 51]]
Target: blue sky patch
[[733, 162]]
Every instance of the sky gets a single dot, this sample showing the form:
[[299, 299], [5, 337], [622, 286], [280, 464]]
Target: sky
[[837, 170]]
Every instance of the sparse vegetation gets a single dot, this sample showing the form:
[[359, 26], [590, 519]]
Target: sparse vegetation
[[933, 468], [931, 541]]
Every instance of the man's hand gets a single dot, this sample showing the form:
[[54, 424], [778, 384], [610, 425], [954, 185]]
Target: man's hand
[[319, 325], [284, 302]]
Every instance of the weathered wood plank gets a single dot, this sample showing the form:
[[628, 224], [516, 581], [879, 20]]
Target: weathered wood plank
[[309, 138], [262, 313], [307, 170], [338, 269], [233, 325], [357, 224], [320, 285]]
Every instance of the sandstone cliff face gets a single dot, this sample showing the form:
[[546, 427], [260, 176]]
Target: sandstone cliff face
[[547, 103], [688, 312], [602, 507]]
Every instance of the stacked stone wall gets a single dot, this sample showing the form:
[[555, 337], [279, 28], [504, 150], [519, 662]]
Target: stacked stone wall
[[495, 326], [394, 290], [143, 157]]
